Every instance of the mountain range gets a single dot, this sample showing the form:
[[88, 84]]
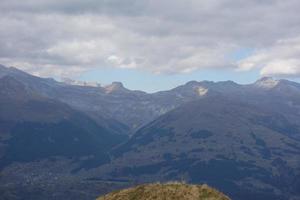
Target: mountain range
[[57, 137]]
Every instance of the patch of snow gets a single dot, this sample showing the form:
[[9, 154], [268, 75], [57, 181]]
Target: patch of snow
[[267, 83], [202, 91]]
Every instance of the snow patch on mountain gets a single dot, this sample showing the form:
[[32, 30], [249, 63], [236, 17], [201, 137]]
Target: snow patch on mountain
[[202, 91], [266, 83]]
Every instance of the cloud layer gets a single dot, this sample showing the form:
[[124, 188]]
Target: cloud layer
[[68, 37]]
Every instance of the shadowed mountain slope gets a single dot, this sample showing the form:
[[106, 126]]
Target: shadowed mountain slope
[[246, 150], [34, 127]]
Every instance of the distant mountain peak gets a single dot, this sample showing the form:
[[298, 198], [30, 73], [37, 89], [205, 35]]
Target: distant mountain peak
[[197, 83], [115, 86], [192, 83], [265, 78], [266, 82]]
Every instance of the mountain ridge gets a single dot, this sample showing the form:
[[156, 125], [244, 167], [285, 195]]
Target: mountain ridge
[[120, 85], [134, 108], [242, 139]]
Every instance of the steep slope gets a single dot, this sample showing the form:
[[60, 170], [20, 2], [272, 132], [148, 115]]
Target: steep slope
[[248, 151], [34, 127], [89, 100], [169, 191]]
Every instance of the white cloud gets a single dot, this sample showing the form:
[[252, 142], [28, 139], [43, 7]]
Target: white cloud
[[280, 59], [170, 36]]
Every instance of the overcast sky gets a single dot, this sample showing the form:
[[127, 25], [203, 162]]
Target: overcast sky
[[165, 40]]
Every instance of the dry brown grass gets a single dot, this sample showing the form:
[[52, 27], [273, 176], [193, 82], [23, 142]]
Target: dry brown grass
[[169, 191]]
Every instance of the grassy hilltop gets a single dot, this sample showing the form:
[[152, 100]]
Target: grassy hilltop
[[169, 191]]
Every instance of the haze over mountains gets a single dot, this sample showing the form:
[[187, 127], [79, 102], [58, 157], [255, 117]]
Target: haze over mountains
[[242, 139]]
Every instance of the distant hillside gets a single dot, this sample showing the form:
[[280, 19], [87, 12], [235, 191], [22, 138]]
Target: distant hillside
[[34, 127], [125, 111], [170, 191], [246, 149]]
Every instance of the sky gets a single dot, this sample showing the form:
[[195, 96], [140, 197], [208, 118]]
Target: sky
[[152, 45]]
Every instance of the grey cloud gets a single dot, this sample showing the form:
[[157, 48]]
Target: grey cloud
[[159, 36], [110, 7]]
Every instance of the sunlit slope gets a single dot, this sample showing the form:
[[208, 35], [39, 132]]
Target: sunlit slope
[[170, 191]]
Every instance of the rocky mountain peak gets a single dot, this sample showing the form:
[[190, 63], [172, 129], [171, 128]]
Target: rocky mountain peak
[[115, 86], [266, 82]]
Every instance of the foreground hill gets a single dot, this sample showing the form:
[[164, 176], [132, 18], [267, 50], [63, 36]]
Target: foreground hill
[[170, 191]]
